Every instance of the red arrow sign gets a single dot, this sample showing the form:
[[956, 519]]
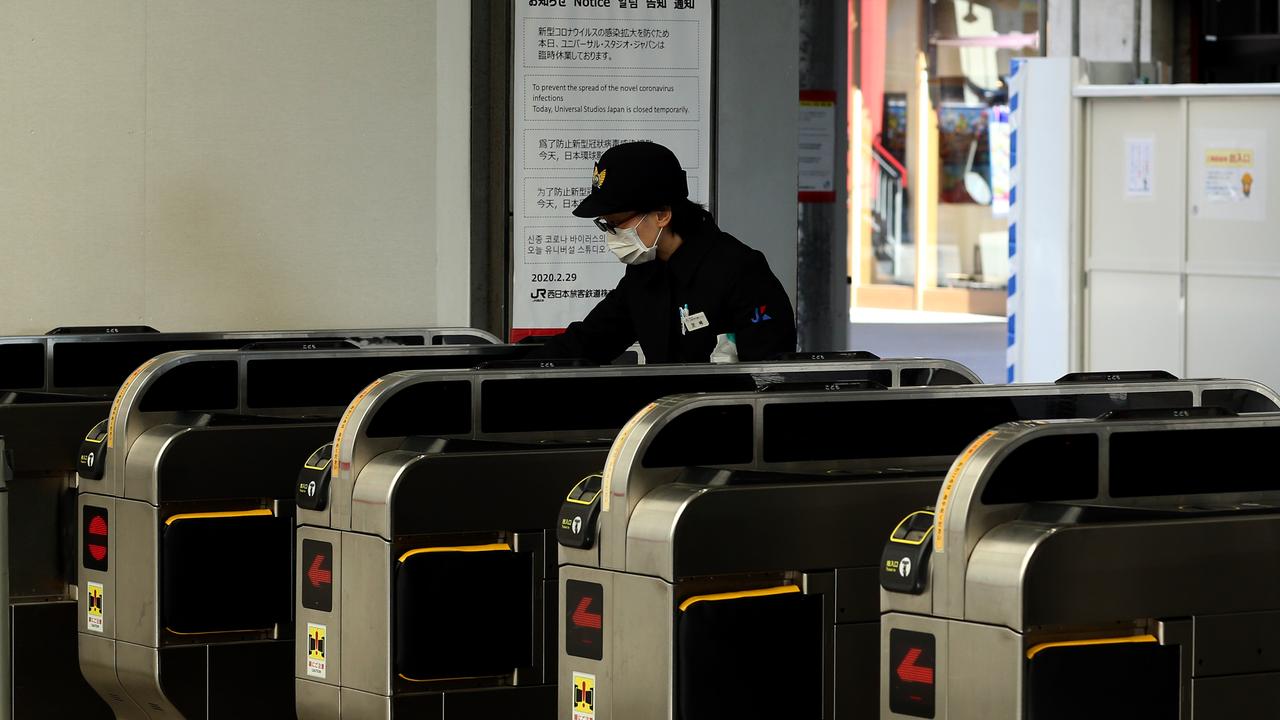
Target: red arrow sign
[[584, 619], [909, 671], [317, 576]]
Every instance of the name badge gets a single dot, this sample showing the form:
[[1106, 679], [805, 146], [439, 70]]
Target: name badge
[[696, 321]]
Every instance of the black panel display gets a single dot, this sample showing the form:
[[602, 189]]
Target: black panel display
[[194, 386], [21, 366], [1053, 468], [332, 382], [598, 403], [429, 408], [108, 363], [711, 435], [1239, 401], [1189, 462], [912, 669], [924, 427], [931, 376]]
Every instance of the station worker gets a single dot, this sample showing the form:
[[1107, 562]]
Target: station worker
[[687, 281]]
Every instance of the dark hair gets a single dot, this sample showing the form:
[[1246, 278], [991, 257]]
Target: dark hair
[[687, 217]]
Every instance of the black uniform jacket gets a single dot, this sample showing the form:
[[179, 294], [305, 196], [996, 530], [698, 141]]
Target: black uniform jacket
[[711, 275]]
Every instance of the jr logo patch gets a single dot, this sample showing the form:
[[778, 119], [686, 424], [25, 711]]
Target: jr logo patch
[[761, 315]]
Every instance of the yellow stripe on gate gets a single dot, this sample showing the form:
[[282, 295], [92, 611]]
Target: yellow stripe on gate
[[1127, 639], [492, 547], [262, 512], [944, 497], [119, 398], [342, 427], [763, 592]]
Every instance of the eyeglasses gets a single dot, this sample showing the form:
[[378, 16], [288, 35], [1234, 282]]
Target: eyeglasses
[[610, 227]]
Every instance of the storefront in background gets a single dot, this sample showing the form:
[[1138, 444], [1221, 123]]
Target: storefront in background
[[930, 149]]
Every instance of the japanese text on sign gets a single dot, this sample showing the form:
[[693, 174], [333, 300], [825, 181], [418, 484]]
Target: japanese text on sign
[[589, 75]]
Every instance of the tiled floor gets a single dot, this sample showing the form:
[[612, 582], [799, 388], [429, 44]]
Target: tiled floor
[[977, 341]]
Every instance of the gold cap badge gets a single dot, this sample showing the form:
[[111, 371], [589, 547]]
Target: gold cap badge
[[597, 177]]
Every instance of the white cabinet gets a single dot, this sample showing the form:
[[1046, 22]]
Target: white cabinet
[[1186, 277]]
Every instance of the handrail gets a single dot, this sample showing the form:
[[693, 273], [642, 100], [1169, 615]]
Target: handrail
[[884, 156]]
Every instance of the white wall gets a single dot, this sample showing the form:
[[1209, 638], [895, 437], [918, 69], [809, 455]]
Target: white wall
[[234, 164], [1106, 29]]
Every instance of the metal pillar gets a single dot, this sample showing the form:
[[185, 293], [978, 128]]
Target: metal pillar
[[822, 315], [490, 174]]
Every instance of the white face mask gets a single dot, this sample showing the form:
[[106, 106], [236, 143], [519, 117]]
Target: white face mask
[[630, 249]]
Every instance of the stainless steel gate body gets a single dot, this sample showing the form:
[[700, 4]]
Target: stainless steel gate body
[[786, 505], [54, 388], [199, 446], [1110, 567], [424, 466]]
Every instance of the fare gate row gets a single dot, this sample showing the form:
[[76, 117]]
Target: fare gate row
[[186, 556], [736, 573], [1121, 568], [186, 520], [426, 573], [52, 389]]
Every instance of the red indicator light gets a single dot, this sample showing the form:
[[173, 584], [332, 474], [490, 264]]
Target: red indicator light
[[912, 668], [97, 528], [93, 538], [316, 576], [908, 671], [583, 627], [317, 572], [584, 619]]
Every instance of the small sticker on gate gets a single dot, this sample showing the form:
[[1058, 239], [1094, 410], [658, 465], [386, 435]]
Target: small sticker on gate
[[584, 696], [95, 607], [317, 650]]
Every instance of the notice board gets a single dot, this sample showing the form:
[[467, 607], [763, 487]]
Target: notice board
[[588, 75]]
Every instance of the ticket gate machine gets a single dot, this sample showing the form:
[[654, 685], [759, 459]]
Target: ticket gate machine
[[1110, 568], [734, 573], [186, 539], [52, 388], [426, 571]]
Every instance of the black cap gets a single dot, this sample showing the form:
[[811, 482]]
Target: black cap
[[636, 176]]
